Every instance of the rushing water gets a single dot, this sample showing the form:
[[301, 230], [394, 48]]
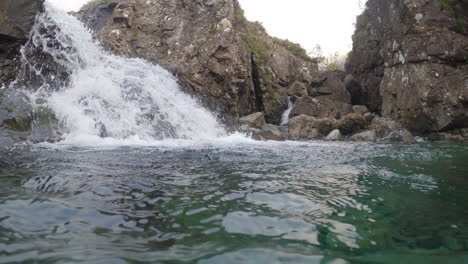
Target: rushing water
[[235, 201], [107, 95], [145, 175]]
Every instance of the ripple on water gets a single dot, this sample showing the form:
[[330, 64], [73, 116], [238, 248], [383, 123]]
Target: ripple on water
[[263, 203]]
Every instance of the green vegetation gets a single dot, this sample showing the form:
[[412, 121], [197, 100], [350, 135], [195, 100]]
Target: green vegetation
[[136, 32], [268, 77], [93, 3], [213, 30], [294, 48], [19, 124], [274, 95]]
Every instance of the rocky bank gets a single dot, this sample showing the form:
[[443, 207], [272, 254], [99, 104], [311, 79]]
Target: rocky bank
[[410, 63], [406, 74]]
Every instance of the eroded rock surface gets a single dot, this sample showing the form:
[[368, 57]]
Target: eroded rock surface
[[230, 64], [409, 62]]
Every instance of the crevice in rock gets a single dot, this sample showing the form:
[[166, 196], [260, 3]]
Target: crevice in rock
[[259, 107]]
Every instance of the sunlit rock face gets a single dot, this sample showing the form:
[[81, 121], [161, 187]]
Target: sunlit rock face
[[231, 64], [409, 61]]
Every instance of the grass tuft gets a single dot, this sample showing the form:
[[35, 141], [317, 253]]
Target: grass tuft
[[93, 3]]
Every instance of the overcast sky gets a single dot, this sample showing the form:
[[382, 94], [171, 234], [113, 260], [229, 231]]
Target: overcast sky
[[328, 23]]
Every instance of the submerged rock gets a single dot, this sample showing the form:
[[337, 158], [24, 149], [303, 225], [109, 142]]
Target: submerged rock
[[388, 130], [368, 136], [269, 132]]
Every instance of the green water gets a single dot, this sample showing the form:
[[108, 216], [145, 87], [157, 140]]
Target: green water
[[317, 202]]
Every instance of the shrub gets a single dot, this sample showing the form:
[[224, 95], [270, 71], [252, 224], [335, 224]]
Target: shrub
[[294, 48]]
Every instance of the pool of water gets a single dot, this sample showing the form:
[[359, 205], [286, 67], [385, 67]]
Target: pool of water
[[245, 202]]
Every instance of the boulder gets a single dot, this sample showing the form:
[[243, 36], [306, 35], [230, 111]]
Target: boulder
[[360, 109], [269, 132], [320, 108], [388, 130], [335, 135], [303, 127], [368, 136], [351, 123], [255, 120]]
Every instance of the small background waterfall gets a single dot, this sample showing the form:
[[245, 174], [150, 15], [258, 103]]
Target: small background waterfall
[[95, 94], [285, 117]]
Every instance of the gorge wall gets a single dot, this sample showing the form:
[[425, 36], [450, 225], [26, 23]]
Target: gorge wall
[[410, 62], [231, 64]]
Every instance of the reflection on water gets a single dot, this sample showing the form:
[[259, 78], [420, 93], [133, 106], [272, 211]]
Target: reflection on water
[[244, 203]]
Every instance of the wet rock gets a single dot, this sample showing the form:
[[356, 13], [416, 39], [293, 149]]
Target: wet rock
[[335, 135], [255, 120], [16, 20], [269, 132], [360, 109], [457, 135], [351, 123], [366, 136], [388, 130], [320, 108]]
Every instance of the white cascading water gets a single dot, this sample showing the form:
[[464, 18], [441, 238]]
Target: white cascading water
[[285, 117], [115, 97]]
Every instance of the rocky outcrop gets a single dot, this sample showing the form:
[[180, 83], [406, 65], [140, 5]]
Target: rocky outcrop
[[230, 64], [16, 20], [409, 62]]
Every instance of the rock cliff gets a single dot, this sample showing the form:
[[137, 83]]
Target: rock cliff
[[410, 63], [231, 64]]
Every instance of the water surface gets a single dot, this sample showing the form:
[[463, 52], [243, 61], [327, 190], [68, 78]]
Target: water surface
[[237, 202]]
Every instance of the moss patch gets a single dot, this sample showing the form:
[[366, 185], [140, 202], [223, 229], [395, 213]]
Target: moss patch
[[93, 3]]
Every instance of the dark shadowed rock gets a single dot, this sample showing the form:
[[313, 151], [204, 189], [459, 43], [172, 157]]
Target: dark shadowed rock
[[351, 123], [16, 21], [97, 16]]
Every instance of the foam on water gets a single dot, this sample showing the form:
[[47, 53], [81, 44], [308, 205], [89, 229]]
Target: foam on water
[[111, 98]]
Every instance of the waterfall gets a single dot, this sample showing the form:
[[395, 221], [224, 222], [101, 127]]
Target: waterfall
[[285, 117], [104, 95]]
